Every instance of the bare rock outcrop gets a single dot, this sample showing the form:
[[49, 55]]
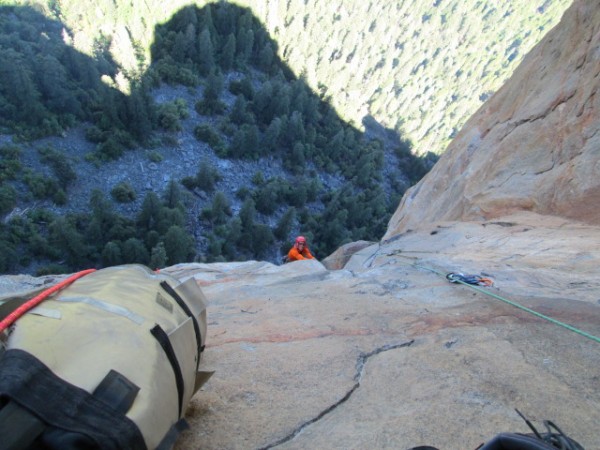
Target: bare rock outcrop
[[385, 352], [534, 146], [388, 354], [339, 258]]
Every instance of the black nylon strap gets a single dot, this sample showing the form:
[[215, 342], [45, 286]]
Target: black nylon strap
[[165, 343], [32, 385], [172, 435], [18, 427], [181, 302], [116, 391]]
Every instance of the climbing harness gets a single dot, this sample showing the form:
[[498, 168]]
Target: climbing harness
[[469, 279]]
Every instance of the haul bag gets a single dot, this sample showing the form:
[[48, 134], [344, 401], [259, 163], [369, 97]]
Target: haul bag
[[109, 362]]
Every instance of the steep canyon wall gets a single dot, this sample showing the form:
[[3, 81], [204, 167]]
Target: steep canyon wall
[[534, 146]]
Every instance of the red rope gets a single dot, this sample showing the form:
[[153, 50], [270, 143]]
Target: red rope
[[17, 313]]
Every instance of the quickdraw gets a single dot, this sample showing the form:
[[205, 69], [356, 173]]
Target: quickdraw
[[469, 279]]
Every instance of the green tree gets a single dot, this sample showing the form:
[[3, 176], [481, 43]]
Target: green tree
[[295, 162], [206, 52], [140, 112], [60, 165], [172, 197], [10, 162], [134, 251], [102, 209], [18, 88], [240, 113], [214, 87], [169, 217], [232, 233], [168, 117], [245, 143], [215, 248], [65, 236], [247, 45], [179, 245], [228, 53], [267, 199], [280, 102], [295, 130], [53, 86], [123, 192], [205, 133], [207, 176], [248, 214], [8, 256], [220, 209], [262, 103], [272, 135], [150, 214], [243, 86], [262, 240], [158, 256], [8, 199], [266, 58], [285, 224], [111, 254]]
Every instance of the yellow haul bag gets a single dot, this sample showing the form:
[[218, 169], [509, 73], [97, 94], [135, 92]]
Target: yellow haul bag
[[109, 362]]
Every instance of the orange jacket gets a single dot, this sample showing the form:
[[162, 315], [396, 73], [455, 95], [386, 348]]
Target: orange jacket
[[295, 255]]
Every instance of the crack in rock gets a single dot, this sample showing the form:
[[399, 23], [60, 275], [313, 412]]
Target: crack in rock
[[360, 365]]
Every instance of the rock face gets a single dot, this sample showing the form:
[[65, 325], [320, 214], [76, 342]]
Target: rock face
[[386, 353], [339, 258], [534, 146]]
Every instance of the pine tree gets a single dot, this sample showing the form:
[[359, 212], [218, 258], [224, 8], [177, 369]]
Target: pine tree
[[228, 53], [18, 88], [248, 214], [262, 240], [172, 197], [272, 136], [207, 176], [221, 208], [158, 257], [284, 226], [65, 236], [206, 52], [140, 112], [239, 113], [134, 252], [178, 245], [266, 58], [111, 254], [150, 214]]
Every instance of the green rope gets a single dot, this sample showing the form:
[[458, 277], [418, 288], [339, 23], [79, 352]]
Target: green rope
[[531, 311]]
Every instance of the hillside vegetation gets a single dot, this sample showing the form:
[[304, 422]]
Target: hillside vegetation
[[66, 65], [420, 68], [242, 103]]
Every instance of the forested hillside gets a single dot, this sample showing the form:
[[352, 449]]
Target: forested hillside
[[242, 103], [66, 65], [418, 67]]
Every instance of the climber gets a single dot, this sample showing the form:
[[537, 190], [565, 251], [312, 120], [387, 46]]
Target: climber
[[300, 250]]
